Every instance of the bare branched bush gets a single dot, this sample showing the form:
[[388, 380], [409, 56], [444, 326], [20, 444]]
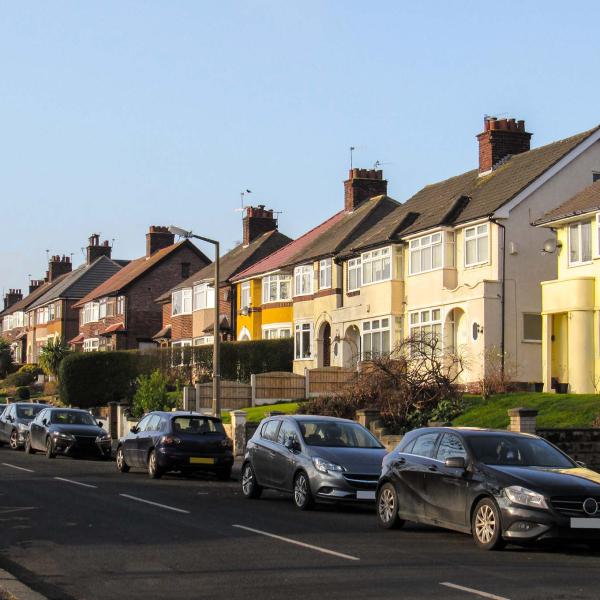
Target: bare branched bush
[[497, 378]]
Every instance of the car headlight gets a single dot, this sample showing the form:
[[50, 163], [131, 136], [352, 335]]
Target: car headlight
[[63, 436], [520, 495], [325, 466], [103, 438]]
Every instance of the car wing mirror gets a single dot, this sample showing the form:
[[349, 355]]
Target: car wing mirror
[[100, 423], [292, 444], [134, 429], [456, 462], [45, 422]]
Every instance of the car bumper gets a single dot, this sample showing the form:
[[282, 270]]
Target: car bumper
[[173, 460], [75, 448], [335, 488]]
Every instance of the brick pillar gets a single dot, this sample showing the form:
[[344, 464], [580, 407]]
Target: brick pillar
[[238, 431], [365, 416], [522, 419], [189, 398]]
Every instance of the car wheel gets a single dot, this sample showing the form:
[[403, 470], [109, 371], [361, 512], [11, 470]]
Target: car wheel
[[154, 471], [49, 449], [223, 474], [303, 498], [387, 507], [28, 448], [122, 465], [14, 440], [250, 487], [487, 526]]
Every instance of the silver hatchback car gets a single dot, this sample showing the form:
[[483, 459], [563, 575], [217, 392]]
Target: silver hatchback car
[[314, 458]]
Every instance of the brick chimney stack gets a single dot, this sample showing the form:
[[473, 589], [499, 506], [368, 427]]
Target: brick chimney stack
[[12, 297], [157, 238], [58, 266], [361, 185], [96, 250], [34, 284], [257, 220], [501, 138]]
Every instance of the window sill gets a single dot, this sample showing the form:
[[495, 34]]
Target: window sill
[[538, 342], [581, 264], [478, 265], [376, 282], [308, 358]]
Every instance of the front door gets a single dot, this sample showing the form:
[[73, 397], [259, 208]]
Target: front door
[[327, 345]]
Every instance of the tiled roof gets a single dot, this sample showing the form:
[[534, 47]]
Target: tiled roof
[[284, 255], [131, 272], [81, 281], [164, 333], [234, 261], [588, 200]]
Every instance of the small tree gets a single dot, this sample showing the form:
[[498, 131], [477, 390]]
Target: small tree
[[5, 358], [52, 355], [151, 394]]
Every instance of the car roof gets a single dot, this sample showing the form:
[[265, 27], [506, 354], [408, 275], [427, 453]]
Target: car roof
[[67, 409], [473, 431], [181, 413], [323, 418], [30, 404]]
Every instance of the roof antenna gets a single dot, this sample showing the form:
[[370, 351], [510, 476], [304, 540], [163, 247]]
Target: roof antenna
[[352, 149], [243, 194]]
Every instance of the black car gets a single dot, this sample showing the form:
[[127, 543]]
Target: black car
[[499, 486], [14, 423], [67, 431], [176, 441]]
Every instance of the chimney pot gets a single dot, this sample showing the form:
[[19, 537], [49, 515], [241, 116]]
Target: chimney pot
[[501, 138], [362, 185], [157, 238], [256, 221]]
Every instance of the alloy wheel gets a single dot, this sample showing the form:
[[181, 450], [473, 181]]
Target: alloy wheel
[[485, 524], [300, 490], [14, 440], [247, 480], [387, 505]]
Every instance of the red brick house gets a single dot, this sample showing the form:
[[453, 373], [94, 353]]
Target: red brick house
[[121, 314]]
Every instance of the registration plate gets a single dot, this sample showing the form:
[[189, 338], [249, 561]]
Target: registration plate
[[582, 523], [365, 495], [202, 461]]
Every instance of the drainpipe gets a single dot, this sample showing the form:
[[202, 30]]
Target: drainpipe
[[503, 295]]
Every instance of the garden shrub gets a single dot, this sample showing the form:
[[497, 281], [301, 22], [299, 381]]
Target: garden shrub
[[22, 393], [19, 379], [151, 394], [33, 369]]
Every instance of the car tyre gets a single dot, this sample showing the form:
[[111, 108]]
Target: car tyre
[[28, 448], [14, 440], [250, 487], [154, 471], [387, 507], [486, 525], [49, 448], [122, 465], [303, 498]]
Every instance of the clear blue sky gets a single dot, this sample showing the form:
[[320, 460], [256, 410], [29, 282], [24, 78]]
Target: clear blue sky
[[117, 115]]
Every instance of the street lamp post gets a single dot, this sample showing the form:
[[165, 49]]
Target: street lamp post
[[216, 402]]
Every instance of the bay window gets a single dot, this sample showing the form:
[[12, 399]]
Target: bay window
[[91, 345], [276, 288], [580, 243], [325, 274], [303, 280], [426, 253], [90, 312], [354, 274], [303, 340], [204, 296], [476, 245], [181, 302], [376, 265], [426, 324], [376, 338]]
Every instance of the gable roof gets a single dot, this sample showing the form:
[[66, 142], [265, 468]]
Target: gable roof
[[26, 302], [586, 201], [81, 281], [234, 261], [134, 270]]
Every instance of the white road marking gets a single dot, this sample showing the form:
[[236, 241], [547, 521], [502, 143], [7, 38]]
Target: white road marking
[[4, 511], [87, 485], [179, 510], [297, 543], [472, 591], [20, 468]]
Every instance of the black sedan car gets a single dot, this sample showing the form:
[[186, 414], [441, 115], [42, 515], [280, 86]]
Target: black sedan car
[[67, 431], [14, 423], [499, 486], [176, 441]]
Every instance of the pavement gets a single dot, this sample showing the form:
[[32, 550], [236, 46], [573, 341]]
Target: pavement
[[78, 529]]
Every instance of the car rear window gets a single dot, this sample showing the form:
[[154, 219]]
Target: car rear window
[[197, 425]]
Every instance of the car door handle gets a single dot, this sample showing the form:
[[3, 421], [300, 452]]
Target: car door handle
[[432, 468]]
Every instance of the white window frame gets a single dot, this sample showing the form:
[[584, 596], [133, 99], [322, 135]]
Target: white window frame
[[281, 281], [426, 318], [203, 296], [204, 340], [429, 242], [274, 331], [354, 266], [304, 274], [529, 340], [579, 225], [245, 295], [120, 306], [91, 312], [325, 271], [597, 235], [300, 352], [369, 260], [91, 345], [102, 308], [475, 238], [179, 344], [181, 302], [376, 327]]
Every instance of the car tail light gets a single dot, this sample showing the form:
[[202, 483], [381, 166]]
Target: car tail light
[[169, 440], [227, 443]]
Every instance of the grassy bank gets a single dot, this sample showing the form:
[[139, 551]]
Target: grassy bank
[[256, 413]]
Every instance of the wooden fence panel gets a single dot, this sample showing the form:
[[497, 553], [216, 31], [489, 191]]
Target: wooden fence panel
[[234, 395], [328, 380], [278, 386]]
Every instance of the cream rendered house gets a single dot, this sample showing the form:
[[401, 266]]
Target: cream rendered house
[[571, 302], [460, 258]]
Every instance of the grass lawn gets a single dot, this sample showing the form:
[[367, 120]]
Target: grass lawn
[[555, 410], [256, 413]]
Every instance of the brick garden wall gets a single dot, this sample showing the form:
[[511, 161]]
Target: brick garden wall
[[579, 444]]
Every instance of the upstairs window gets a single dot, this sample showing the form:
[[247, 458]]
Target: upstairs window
[[181, 302], [121, 305], [204, 296], [426, 253], [580, 243], [91, 311], [245, 295], [476, 245], [276, 288], [102, 308], [325, 274], [185, 270], [303, 280], [376, 266], [354, 274], [595, 177]]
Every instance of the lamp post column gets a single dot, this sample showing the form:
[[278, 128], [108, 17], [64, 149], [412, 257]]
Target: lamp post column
[[217, 342]]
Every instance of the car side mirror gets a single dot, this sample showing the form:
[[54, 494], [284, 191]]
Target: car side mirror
[[45, 422], [100, 423], [134, 429], [456, 462], [292, 444]]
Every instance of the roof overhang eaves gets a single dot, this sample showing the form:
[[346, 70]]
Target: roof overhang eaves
[[566, 218]]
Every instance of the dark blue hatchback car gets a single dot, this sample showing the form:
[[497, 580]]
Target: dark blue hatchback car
[[176, 441]]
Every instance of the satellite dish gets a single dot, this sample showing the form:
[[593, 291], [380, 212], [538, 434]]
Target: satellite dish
[[550, 246]]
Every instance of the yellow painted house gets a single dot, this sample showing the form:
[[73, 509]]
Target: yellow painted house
[[571, 302]]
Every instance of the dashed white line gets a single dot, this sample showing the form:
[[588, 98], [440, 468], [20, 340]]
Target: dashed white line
[[473, 591], [297, 543], [19, 468], [87, 485], [179, 510]]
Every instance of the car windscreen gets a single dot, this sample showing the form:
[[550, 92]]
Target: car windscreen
[[517, 451], [336, 434], [29, 412], [197, 425], [71, 417]]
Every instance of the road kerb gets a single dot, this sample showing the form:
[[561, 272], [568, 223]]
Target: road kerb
[[16, 590]]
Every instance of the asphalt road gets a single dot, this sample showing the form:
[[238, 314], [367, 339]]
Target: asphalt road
[[78, 529]]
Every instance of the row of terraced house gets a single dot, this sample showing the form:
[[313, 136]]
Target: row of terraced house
[[500, 261]]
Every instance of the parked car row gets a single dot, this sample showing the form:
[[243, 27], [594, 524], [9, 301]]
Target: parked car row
[[499, 486]]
